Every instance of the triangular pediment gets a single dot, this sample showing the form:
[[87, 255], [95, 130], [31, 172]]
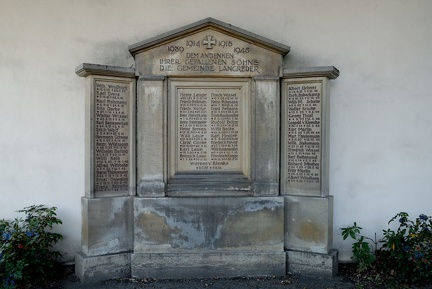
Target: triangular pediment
[[209, 48], [209, 24]]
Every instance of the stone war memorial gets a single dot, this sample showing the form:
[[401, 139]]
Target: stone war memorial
[[208, 159]]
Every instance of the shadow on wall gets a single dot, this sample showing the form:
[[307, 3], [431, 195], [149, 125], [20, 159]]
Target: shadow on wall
[[297, 60], [114, 53]]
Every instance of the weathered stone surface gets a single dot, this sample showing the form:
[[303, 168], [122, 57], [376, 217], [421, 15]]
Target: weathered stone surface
[[151, 131], [209, 48], [209, 123], [209, 135], [312, 264], [185, 225], [204, 180], [104, 267], [222, 264], [106, 225], [87, 69], [109, 130], [267, 136], [305, 136], [309, 224], [329, 72], [208, 112], [305, 124]]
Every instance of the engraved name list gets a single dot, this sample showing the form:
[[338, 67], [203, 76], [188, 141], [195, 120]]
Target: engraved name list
[[208, 129], [111, 137], [304, 133]]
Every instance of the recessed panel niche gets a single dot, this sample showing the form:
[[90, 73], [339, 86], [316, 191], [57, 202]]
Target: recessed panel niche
[[209, 127]]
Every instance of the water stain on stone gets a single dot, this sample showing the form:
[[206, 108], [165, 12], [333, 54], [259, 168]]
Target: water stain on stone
[[252, 229], [308, 231], [155, 228]]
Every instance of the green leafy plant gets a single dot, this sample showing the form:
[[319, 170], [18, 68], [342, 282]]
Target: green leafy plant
[[407, 251], [25, 252], [405, 256], [362, 251]]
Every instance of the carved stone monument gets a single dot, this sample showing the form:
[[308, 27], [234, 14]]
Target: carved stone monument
[[305, 170], [190, 185]]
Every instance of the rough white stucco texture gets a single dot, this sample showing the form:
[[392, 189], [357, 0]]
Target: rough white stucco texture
[[380, 162]]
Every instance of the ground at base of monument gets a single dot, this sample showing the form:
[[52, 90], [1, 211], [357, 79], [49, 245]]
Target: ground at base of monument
[[68, 280], [344, 280]]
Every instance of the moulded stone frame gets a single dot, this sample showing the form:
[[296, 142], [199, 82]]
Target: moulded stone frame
[[233, 183]]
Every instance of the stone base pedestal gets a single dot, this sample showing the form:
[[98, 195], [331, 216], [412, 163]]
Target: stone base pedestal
[[208, 237], [309, 224], [312, 264], [107, 227], [103, 267], [223, 264], [205, 237], [106, 239], [203, 225]]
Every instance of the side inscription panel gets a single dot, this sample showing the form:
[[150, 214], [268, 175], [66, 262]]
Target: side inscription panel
[[303, 157], [111, 137]]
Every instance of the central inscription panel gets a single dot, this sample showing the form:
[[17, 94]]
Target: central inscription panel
[[209, 127]]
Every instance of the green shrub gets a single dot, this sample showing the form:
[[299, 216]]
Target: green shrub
[[405, 256], [25, 252], [407, 252]]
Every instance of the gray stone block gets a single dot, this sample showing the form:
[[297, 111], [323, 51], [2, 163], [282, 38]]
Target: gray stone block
[[312, 264], [185, 225], [265, 188], [223, 264], [104, 267], [309, 224], [266, 137], [106, 225], [151, 101]]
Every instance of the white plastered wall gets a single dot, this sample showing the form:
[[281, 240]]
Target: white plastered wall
[[381, 105]]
